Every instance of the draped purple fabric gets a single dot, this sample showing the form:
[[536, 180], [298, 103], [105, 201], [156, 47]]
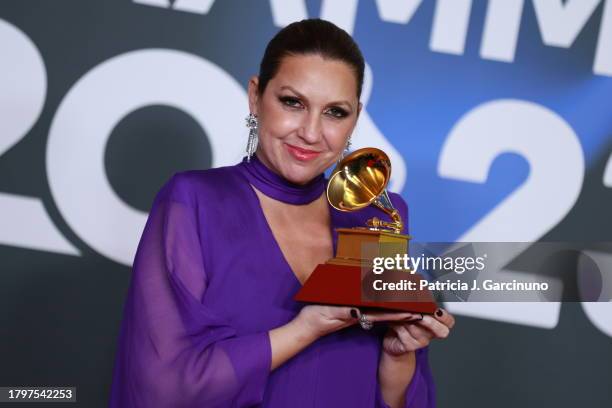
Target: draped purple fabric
[[208, 282]]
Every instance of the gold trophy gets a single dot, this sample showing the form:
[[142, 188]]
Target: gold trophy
[[360, 180]]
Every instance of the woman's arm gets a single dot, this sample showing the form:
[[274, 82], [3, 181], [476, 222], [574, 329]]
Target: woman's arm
[[394, 376], [288, 340], [398, 364]]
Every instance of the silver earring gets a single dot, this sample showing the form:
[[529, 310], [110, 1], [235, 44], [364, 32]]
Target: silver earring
[[346, 150], [252, 124]]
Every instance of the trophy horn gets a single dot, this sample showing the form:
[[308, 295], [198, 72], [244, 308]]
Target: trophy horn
[[359, 180]]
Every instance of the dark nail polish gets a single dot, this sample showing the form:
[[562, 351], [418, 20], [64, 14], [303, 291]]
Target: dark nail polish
[[439, 312], [354, 313]]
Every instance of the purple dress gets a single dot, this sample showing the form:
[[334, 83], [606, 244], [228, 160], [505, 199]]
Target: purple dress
[[209, 281]]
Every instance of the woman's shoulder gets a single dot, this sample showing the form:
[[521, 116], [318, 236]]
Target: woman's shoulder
[[188, 186]]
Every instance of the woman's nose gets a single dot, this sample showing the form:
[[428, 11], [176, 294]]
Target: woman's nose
[[311, 129]]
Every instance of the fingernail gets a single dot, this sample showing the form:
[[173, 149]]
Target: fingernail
[[354, 313], [439, 312]]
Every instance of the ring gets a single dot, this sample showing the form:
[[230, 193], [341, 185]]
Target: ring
[[365, 323]]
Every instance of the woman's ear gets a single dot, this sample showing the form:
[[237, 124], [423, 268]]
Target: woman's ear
[[253, 92]]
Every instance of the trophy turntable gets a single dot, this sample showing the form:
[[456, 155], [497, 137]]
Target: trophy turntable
[[358, 181]]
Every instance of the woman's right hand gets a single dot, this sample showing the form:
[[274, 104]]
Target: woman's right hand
[[315, 321], [321, 320]]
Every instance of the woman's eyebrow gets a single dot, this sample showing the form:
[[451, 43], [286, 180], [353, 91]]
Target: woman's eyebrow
[[343, 102]]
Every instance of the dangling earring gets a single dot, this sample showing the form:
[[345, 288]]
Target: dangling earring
[[252, 124], [346, 150]]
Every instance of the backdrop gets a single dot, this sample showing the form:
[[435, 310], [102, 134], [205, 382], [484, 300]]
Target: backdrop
[[497, 116]]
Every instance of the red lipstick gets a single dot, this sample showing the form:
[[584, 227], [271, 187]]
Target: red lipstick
[[302, 154]]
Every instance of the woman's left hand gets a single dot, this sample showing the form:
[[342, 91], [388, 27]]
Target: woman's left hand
[[402, 338]]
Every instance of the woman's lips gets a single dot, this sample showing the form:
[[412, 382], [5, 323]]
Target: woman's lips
[[302, 154]]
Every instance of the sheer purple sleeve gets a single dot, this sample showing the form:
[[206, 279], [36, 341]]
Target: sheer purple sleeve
[[421, 392], [172, 350]]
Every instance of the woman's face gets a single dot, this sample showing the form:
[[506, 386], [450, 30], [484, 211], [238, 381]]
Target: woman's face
[[306, 114]]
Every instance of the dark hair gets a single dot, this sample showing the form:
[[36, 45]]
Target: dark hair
[[312, 36]]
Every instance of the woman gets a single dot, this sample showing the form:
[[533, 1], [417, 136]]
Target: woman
[[210, 319]]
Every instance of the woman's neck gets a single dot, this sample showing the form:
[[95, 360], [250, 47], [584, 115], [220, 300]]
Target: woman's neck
[[273, 185]]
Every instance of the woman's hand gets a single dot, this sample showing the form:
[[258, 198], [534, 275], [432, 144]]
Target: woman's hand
[[315, 321], [321, 320], [398, 361], [402, 338]]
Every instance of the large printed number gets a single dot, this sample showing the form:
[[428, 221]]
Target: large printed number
[[80, 130], [23, 81], [607, 178], [599, 312], [97, 102], [530, 130]]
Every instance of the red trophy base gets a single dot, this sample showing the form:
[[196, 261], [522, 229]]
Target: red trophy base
[[341, 285], [347, 279]]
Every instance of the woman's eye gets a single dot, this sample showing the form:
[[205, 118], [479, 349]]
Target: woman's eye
[[337, 112], [290, 101]]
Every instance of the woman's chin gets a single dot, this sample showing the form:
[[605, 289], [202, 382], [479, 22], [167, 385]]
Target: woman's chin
[[302, 171], [300, 175]]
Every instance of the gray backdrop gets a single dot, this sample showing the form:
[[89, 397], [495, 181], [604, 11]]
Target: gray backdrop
[[66, 237]]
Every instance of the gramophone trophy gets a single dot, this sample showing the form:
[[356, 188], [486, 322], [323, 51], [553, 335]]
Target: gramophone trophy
[[360, 180]]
